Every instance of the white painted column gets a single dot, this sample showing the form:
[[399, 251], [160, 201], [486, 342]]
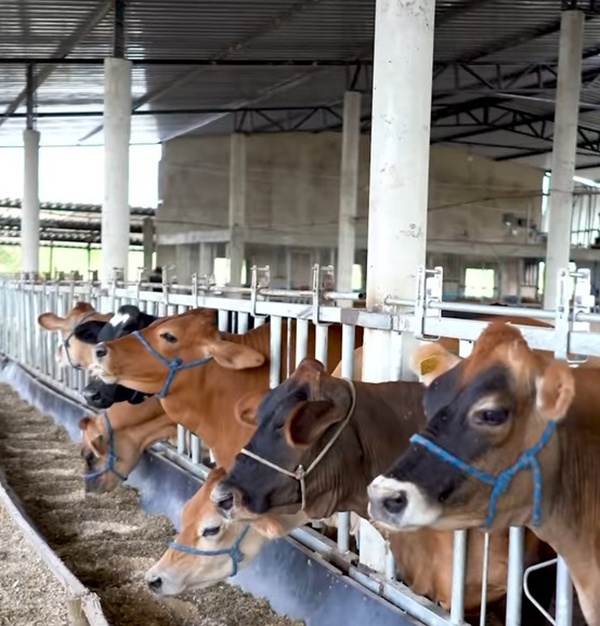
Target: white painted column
[[560, 204], [117, 132], [148, 241], [237, 206], [30, 209], [348, 193], [403, 59]]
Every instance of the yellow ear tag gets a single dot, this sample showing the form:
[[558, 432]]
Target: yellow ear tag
[[429, 364]]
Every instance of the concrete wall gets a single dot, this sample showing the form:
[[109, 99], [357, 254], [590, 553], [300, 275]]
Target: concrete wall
[[293, 193]]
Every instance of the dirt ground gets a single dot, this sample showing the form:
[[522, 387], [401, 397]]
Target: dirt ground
[[107, 541]]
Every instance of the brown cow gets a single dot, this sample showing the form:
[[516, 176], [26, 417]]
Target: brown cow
[[226, 366], [70, 351], [486, 412], [310, 411], [113, 441]]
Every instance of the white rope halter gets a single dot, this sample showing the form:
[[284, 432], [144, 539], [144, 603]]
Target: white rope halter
[[300, 473]]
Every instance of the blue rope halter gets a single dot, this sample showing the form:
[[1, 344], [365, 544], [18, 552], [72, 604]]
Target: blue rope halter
[[234, 552], [501, 481], [111, 457], [174, 365], [65, 341]]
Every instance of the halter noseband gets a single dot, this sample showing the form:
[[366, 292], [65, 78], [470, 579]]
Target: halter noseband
[[234, 552], [501, 481], [65, 341], [111, 457], [174, 365], [300, 473]]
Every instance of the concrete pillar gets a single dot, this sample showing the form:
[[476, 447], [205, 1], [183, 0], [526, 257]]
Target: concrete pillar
[[30, 209], [400, 129], [188, 262], [117, 131], [348, 193], [207, 259], [148, 239], [560, 205], [237, 206]]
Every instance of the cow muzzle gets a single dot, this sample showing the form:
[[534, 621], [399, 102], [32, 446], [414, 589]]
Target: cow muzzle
[[400, 505]]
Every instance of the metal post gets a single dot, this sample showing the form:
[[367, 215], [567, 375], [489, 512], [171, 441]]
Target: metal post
[[237, 206], [30, 210], [403, 59], [348, 193], [117, 132], [560, 205]]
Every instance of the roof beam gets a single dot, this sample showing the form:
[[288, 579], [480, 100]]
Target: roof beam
[[281, 18], [63, 50]]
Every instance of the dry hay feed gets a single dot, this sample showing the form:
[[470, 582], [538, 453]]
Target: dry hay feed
[[107, 541]]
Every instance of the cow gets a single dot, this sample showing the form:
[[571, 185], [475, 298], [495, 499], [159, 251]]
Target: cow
[[207, 549], [512, 438], [315, 449], [114, 440], [200, 373], [70, 351]]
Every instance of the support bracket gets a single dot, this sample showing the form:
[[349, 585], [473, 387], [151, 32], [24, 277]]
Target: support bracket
[[430, 286]]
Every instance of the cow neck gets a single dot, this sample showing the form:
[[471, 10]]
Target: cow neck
[[125, 415], [385, 416], [155, 429], [203, 398], [572, 506]]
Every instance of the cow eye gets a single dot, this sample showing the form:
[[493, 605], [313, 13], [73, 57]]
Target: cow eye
[[493, 417], [211, 531], [168, 337]]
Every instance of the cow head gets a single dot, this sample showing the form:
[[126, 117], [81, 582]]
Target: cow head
[[207, 549], [71, 351], [483, 413], [128, 318], [294, 423], [108, 458], [143, 361]]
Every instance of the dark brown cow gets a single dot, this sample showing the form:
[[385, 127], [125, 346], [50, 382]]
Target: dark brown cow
[[364, 425], [505, 411], [223, 368]]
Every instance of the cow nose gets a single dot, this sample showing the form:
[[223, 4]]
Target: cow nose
[[395, 504], [155, 583], [90, 395], [100, 350]]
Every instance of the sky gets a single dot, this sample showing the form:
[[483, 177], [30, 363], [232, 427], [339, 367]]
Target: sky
[[75, 174]]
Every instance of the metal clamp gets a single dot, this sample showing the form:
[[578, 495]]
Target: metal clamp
[[323, 279], [260, 278], [430, 285], [582, 302]]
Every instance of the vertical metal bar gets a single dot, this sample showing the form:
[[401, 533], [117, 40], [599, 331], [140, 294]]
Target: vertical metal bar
[[275, 351], [514, 590], [564, 594], [301, 340], [459, 569], [321, 336], [195, 449], [180, 440], [242, 323], [484, 578], [223, 317]]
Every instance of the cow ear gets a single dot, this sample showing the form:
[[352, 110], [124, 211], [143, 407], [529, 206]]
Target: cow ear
[[84, 422], [236, 356], [246, 407], [88, 331], [555, 391], [431, 360], [51, 321], [310, 421]]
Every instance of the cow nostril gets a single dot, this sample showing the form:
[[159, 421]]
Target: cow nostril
[[155, 583], [100, 350], [395, 504]]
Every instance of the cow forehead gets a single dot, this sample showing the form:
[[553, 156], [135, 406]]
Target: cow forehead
[[451, 388], [279, 401]]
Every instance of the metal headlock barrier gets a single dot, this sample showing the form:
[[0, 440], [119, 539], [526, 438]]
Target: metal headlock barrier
[[242, 308]]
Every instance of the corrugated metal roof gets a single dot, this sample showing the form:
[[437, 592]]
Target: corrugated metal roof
[[496, 40]]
